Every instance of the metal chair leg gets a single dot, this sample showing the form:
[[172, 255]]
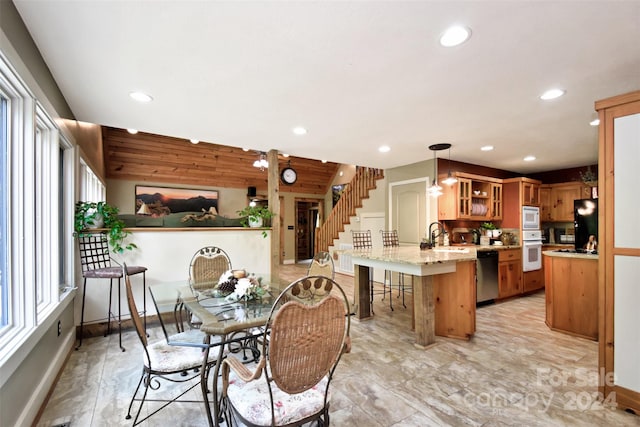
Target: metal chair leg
[[120, 318], [84, 293], [109, 313]]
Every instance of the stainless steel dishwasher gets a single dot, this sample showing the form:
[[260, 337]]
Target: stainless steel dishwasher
[[487, 285]]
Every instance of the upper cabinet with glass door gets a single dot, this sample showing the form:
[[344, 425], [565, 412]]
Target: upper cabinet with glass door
[[473, 197]]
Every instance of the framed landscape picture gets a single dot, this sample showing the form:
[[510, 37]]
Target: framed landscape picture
[[161, 201]]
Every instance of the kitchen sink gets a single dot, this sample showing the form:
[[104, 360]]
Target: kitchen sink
[[456, 249]]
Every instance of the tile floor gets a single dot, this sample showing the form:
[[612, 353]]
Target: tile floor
[[514, 371]]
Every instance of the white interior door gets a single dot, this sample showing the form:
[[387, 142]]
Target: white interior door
[[408, 210]]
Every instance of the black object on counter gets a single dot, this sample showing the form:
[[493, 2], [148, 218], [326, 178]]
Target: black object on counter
[[585, 213]]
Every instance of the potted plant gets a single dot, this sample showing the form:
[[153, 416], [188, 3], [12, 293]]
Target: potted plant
[[488, 228], [255, 216], [94, 215]]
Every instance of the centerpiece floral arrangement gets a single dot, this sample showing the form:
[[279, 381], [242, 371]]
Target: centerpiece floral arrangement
[[242, 286]]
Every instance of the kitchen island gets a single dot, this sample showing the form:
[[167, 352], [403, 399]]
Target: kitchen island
[[571, 281], [443, 294]]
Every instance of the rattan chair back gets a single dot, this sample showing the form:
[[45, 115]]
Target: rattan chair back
[[309, 289], [321, 265], [206, 267], [135, 315], [306, 340]]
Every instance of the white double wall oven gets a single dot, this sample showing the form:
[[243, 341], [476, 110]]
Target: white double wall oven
[[531, 239]]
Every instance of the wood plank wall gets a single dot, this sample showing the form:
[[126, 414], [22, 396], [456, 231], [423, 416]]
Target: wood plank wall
[[155, 158]]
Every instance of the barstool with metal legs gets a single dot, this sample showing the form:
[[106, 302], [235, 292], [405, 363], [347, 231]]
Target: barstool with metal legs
[[96, 264], [362, 240], [390, 239]]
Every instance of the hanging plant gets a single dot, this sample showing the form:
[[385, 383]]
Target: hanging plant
[[98, 215]]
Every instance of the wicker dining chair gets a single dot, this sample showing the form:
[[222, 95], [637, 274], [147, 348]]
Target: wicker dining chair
[[389, 240], [205, 268], [322, 265], [290, 383], [96, 263], [168, 362]]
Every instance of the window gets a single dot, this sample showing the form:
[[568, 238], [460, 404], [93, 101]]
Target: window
[[34, 184], [3, 212], [91, 188]]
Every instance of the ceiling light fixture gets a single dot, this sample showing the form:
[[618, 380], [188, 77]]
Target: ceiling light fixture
[[450, 179], [132, 131], [140, 96], [299, 130], [454, 36], [552, 94], [194, 141], [435, 190], [384, 149], [595, 122], [262, 162], [529, 158], [487, 148]]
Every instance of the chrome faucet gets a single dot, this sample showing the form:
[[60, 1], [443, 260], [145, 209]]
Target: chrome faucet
[[433, 234]]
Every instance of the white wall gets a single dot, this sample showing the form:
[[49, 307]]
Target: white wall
[[167, 255]]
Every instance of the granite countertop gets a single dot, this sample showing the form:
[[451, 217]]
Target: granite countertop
[[413, 255], [497, 247], [570, 255]]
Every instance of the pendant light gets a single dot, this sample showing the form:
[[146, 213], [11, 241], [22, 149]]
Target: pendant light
[[435, 190], [450, 179], [262, 162]]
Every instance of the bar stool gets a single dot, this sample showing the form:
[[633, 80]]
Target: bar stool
[[389, 240], [96, 264], [362, 240]]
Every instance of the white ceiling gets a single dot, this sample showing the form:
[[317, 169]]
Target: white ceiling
[[356, 74]]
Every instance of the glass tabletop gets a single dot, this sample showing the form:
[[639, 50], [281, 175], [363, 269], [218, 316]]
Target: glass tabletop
[[219, 311]]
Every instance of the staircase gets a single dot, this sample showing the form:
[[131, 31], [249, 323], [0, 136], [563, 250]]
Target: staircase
[[358, 189]]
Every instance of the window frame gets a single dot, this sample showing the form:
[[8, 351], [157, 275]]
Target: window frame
[[38, 204]]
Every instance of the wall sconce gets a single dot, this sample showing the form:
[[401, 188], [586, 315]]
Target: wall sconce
[[262, 162]]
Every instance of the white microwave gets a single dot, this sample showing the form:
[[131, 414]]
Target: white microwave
[[530, 218]]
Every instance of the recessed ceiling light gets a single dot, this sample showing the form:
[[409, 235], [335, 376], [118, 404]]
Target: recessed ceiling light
[[529, 158], [384, 149], [487, 148], [194, 141], [595, 122], [323, 161], [299, 130], [285, 154], [455, 36], [552, 94], [245, 149], [132, 131], [140, 96]]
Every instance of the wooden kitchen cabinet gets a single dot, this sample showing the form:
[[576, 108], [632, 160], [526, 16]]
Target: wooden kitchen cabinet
[[619, 250], [545, 203], [530, 193], [532, 280], [509, 273], [455, 301], [473, 197], [572, 294], [562, 197]]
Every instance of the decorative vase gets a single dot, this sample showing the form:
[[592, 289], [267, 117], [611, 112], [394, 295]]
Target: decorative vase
[[98, 220], [255, 222]]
